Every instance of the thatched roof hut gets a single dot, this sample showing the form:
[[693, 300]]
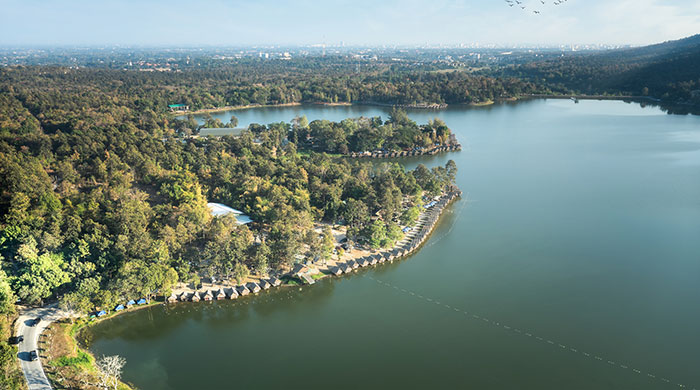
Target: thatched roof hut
[[335, 270], [195, 297], [243, 290], [253, 287]]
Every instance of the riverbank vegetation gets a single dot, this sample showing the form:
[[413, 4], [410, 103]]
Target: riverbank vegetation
[[67, 365], [101, 201]]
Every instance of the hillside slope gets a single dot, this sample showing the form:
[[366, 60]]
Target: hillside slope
[[669, 71]]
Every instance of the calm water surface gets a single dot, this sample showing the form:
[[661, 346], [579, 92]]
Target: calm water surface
[[581, 227]]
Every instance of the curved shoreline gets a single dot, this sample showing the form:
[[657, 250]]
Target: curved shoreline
[[408, 153], [411, 242]]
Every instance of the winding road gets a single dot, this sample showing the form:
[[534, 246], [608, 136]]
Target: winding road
[[33, 370]]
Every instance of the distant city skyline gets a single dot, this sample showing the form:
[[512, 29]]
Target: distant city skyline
[[360, 22]]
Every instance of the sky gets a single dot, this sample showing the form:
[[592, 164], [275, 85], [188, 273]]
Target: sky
[[353, 22]]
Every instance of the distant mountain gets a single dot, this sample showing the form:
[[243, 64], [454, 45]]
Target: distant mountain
[[669, 71]]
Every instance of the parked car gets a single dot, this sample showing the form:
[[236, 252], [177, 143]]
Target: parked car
[[33, 355]]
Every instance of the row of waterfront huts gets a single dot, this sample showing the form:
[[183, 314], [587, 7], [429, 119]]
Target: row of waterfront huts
[[418, 236], [224, 292], [407, 153]]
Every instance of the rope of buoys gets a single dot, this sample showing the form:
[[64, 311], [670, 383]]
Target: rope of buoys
[[532, 335]]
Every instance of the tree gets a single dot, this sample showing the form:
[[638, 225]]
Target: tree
[[233, 122], [327, 243], [260, 261], [376, 234], [451, 168], [7, 298], [410, 215], [40, 274], [110, 370], [393, 234], [240, 272]]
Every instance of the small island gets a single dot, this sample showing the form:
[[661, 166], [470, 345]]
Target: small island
[[399, 136]]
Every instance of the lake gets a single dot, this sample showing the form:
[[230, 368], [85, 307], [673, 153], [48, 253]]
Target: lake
[[572, 262]]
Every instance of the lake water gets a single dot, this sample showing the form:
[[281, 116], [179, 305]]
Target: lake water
[[572, 261]]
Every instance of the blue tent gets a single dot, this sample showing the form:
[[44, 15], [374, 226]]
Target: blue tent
[[119, 307], [130, 303], [101, 313], [141, 301]]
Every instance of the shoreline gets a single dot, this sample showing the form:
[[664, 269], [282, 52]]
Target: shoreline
[[408, 153], [308, 273], [424, 106], [408, 245]]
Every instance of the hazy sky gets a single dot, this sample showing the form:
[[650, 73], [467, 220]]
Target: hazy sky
[[414, 22]]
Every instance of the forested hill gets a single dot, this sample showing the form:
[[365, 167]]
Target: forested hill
[[669, 71]]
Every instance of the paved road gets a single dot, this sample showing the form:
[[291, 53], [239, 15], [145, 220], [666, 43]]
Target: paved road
[[33, 370]]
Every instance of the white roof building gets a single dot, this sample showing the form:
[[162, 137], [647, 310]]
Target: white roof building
[[218, 210]]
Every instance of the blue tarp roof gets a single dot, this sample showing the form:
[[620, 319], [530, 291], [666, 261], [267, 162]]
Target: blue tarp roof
[[101, 313], [131, 302], [141, 301], [119, 307]]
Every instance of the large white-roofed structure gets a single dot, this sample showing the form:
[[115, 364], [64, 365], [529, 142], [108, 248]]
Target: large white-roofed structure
[[218, 210]]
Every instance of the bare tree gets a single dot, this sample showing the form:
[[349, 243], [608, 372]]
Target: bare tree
[[110, 369]]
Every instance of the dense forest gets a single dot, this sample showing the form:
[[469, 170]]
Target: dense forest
[[244, 85], [668, 71], [101, 200]]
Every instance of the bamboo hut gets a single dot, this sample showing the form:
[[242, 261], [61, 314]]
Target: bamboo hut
[[243, 290], [335, 270], [264, 284], [195, 297], [253, 287]]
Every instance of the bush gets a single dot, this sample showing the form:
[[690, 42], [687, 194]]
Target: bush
[[81, 360]]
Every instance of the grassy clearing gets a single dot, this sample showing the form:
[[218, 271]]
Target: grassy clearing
[[83, 359]]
